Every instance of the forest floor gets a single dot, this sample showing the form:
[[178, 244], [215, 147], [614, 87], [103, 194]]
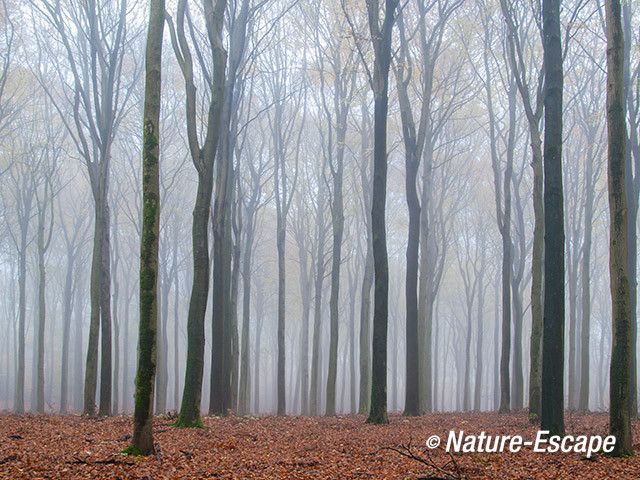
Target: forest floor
[[76, 447]]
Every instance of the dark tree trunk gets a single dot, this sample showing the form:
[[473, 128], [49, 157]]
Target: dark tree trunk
[[203, 159], [552, 418], [620, 394], [381, 39]]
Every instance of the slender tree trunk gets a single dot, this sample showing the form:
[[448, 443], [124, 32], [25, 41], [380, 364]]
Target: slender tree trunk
[[142, 441], [176, 331], [337, 216], [244, 404], [233, 318], [367, 278], [105, 322], [505, 231], [161, 343], [78, 401], [317, 307], [585, 352], [91, 370], [477, 393], [42, 312], [66, 327], [280, 243], [535, 349]]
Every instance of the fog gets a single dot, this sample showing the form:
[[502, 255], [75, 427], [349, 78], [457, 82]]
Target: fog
[[293, 172]]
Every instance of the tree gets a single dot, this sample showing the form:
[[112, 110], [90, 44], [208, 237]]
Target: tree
[[620, 393], [367, 277], [286, 127], [517, 39], [203, 160], [223, 322], [415, 135], [91, 81], [379, 81], [343, 74], [142, 439], [552, 411]]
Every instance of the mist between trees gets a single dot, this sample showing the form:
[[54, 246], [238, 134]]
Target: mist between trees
[[268, 131]]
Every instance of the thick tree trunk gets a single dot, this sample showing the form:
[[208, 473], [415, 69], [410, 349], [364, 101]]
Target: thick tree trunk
[[190, 406], [620, 394], [553, 325], [378, 410]]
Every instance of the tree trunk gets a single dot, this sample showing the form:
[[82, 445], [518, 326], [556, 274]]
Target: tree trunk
[[244, 394], [105, 321], [66, 327], [620, 394], [142, 441], [42, 313], [91, 369], [381, 39], [553, 325], [367, 278], [583, 403], [317, 307], [337, 217], [280, 241], [477, 394]]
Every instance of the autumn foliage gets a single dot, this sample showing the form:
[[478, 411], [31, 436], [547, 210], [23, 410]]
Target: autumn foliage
[[74, 447]]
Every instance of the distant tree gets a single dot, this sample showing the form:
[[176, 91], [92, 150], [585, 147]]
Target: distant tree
[[91, 77], [224, 328]]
